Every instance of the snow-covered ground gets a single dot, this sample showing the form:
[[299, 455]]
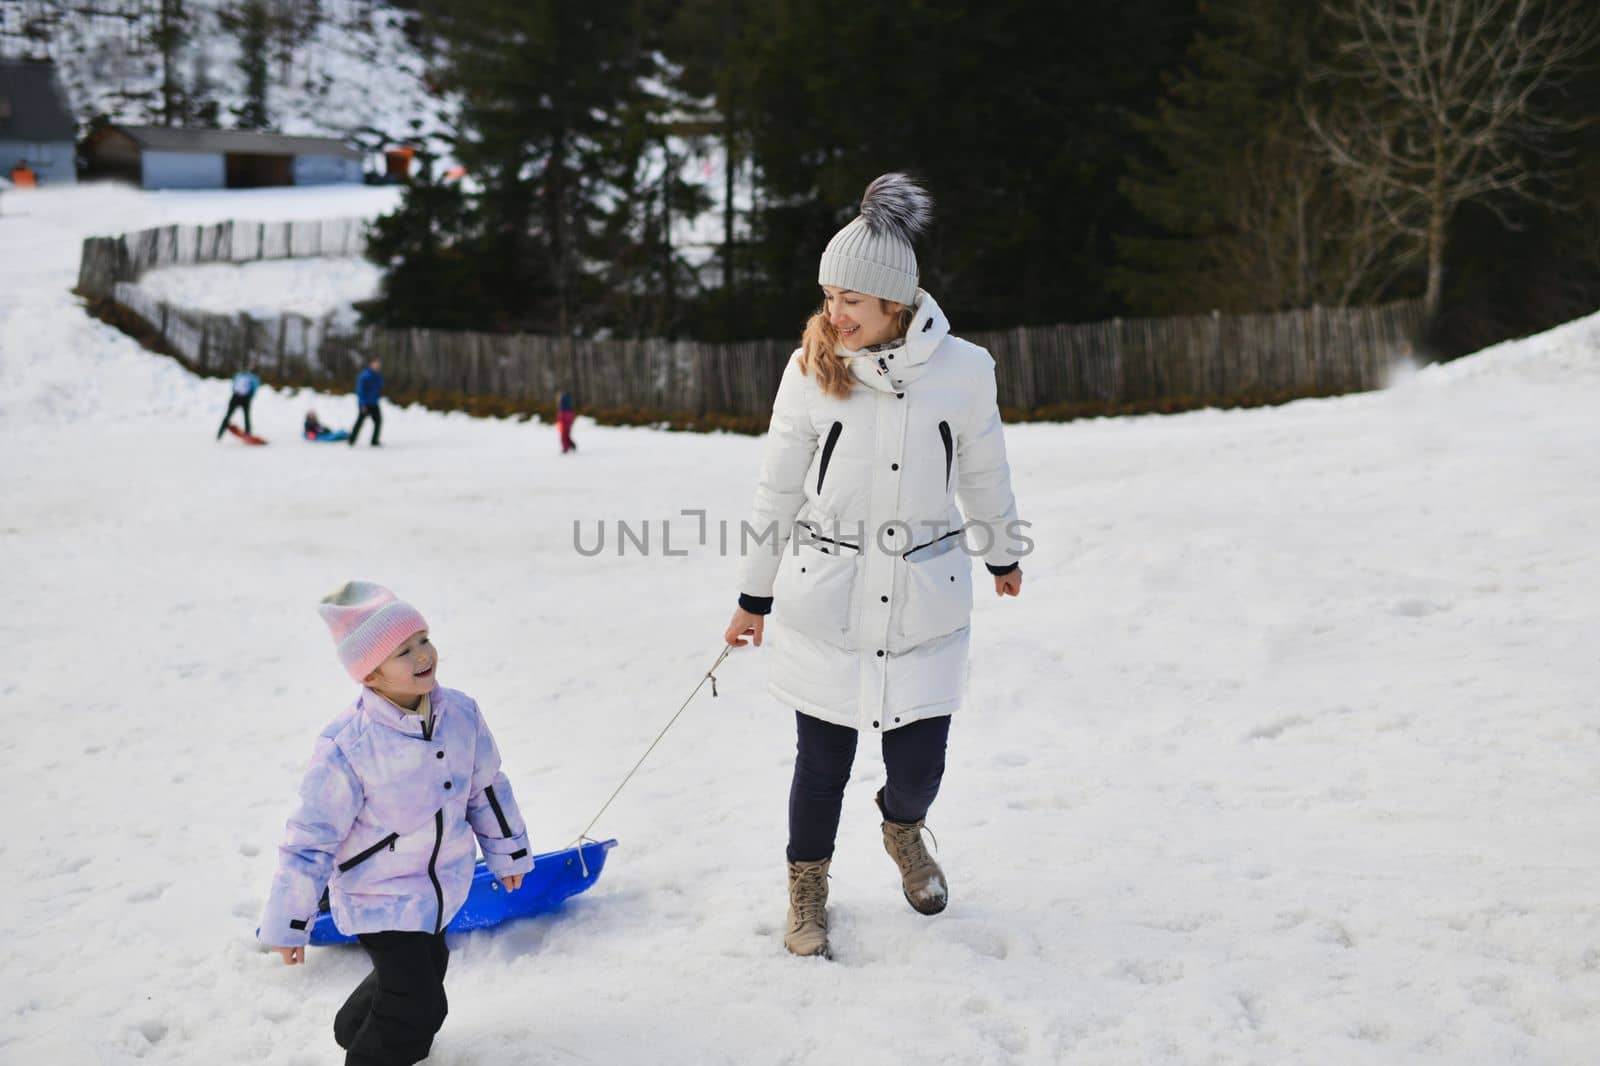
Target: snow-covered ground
[[264, 288], [1287, 754]]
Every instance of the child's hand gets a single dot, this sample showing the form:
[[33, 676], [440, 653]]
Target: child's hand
[[292, 956], [512, 882]]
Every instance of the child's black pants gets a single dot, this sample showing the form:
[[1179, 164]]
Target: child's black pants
[[392, 1016], [236, 403], [913, 759]]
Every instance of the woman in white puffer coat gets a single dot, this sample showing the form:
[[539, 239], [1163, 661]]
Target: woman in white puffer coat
[[884, 424]]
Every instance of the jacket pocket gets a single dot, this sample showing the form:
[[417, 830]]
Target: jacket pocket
[[814, 589], [933, 586], [362, 856]]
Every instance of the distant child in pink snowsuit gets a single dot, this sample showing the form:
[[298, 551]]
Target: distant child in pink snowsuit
[[566, 414], [403, 790]]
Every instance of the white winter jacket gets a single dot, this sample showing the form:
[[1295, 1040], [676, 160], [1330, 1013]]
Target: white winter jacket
[[857, 538]]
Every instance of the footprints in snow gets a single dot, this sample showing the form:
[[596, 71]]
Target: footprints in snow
[[1277, 727], [1147, 971], [146, 893]]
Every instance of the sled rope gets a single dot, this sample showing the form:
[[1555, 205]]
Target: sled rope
[[710, 675]]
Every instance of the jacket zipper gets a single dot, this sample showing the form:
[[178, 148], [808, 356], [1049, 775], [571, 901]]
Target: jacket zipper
[[827, 453], [433, 872], [949, 453], [362, 856]]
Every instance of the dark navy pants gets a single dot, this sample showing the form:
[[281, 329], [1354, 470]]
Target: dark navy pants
[[913, 757], [368, 410]]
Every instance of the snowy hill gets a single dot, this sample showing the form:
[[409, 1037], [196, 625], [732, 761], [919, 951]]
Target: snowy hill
[[1285, 755], [337, 66]]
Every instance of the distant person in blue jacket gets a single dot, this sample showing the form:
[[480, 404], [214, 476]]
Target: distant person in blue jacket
[[369, 387], [245, 384]]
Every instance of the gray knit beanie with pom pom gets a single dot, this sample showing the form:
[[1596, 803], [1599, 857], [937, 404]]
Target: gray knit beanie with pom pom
[[873, 254]]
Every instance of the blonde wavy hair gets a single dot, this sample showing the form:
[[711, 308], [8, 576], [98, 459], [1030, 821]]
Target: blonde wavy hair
[[819, 348]]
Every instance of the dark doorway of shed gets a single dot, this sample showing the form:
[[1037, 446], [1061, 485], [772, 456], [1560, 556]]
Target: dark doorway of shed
[[253, 171]]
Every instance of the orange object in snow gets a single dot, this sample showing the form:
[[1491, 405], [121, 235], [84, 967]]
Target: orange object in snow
[[23, 177]]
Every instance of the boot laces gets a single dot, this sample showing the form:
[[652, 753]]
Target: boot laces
[[909, 851], [809, 890]]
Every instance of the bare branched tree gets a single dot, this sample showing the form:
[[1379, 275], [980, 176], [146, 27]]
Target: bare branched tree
[[1449, 106], [1296, 237]]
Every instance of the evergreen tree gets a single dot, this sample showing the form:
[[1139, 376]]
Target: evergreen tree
[[203, 109], [169, 34], [704, 38], [251, 22], [560, 117], [428, 246], [1017, 115]]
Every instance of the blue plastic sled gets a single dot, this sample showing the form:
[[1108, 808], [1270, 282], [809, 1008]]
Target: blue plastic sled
[[556, 876]]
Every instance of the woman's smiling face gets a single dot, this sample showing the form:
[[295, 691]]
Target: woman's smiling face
[[860, 320]]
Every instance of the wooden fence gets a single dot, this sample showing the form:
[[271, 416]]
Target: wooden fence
[[1042, 371], [108, 260]]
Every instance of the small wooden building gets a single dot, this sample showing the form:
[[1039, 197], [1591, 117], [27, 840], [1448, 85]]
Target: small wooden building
[[37, 131], [165, 157]]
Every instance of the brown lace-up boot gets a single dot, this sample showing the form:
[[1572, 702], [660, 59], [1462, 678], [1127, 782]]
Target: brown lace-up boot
[[920, 877], [808, 908]]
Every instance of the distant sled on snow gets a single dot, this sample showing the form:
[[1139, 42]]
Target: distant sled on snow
[[242, 435], [556, 876]]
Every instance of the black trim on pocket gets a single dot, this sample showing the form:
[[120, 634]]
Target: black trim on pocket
[[499, 815], [906, 555], [297, 923], [827, 453], [949, 451], [362, 856], [813, 535], [519, 853]]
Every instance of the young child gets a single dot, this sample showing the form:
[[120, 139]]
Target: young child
[[399, 786], [566, 414], [313, 429]]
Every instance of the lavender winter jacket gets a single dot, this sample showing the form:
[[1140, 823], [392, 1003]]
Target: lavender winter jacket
[[387, 818]]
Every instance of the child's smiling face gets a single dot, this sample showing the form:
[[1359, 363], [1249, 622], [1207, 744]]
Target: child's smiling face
[[407, 675]]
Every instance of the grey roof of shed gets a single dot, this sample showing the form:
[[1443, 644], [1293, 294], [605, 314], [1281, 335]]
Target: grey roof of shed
[[33, 106], [174, 139]]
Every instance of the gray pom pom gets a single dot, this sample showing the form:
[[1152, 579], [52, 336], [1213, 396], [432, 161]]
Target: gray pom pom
[[894, 204]]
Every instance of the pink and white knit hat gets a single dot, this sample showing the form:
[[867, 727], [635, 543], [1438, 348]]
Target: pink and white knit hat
[[368, 624]]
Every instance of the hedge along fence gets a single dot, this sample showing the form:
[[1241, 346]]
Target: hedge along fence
[[1123, 365]]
